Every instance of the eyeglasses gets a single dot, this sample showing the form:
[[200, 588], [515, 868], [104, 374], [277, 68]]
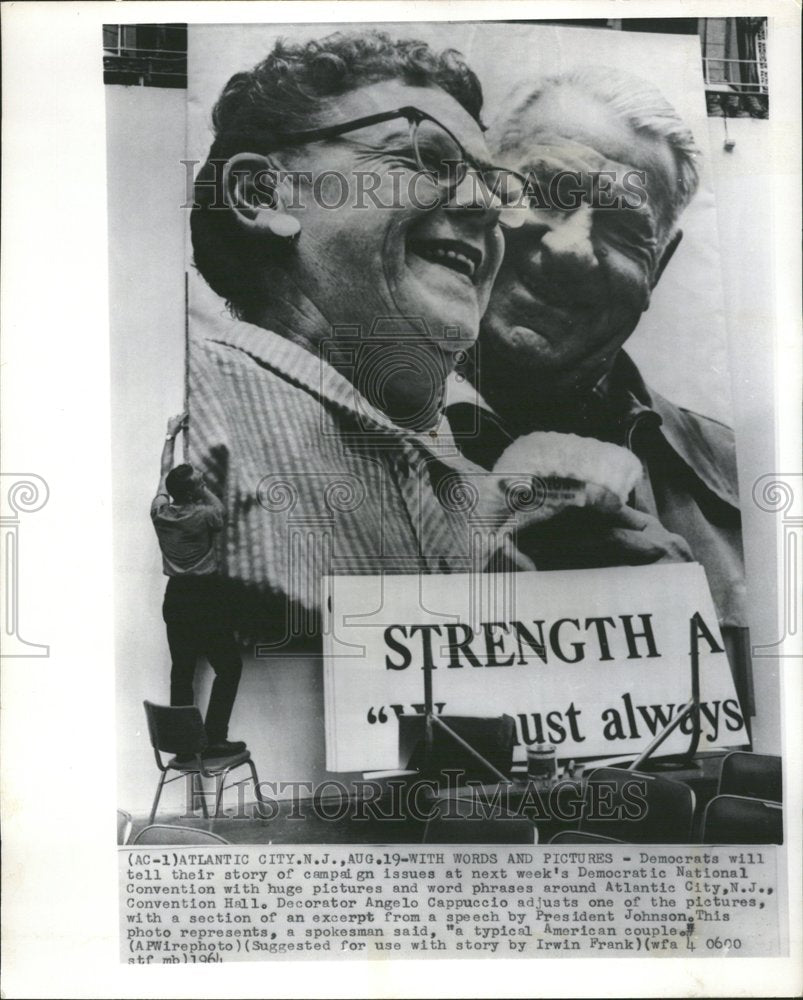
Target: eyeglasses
[[438, 154]]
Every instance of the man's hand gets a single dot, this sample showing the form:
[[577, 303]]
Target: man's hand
[[641, 538], [585, 538], [174, 424]]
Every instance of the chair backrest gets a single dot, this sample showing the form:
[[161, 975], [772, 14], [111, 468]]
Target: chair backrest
[[735, 819], [124, 824], [578, 837], [495, 830], [637, 808], [493, 738], [480, 815], [752, 775], [162, 833], [176, 730]]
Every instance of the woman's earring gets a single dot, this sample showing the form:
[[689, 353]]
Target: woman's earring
[[287, 227]]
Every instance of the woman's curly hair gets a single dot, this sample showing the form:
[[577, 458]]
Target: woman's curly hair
[[288, 91]]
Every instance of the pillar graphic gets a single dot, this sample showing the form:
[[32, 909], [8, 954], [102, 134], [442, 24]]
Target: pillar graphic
[[22, 492], [779, 493]]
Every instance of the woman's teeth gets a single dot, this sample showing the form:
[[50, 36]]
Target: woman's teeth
[[450, 258]]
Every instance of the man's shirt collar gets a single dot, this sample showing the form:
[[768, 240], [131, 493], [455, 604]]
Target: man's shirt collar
[[624, 391], [460, 390]]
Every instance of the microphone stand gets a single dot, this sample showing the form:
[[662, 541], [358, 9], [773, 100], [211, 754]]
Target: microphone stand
[[432, 721], [689, 710]]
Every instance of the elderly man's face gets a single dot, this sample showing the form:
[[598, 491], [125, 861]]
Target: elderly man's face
[[574, 283], [401, 252]]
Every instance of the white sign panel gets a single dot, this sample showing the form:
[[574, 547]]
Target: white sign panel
[[596, 662]]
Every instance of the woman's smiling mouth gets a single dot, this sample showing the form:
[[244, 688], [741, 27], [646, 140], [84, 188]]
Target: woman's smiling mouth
[[456, 255]]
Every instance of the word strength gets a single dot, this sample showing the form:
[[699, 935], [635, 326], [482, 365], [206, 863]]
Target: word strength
[[195, 907], [591, 663], [503, 644]]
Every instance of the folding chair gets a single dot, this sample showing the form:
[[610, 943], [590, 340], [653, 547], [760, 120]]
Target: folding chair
[[181, 731], [124, 824], [751, 775], [578, 837], [463, 818], [492, 738], [164, 833], [735, 819], [637, 808]]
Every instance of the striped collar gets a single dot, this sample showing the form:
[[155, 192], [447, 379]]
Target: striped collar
[[315, 375]]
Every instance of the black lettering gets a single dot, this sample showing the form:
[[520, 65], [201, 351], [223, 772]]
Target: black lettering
[[712, 717], [426, 642], [699, 630], [460, 646], [526, 737], [554, 641], [602, 635], [397, 647], [536, 645], [731, 709], [631, 636], [613, 725], [631, 715], [557, 731], [655, 716], [493, 644], [572, 714]]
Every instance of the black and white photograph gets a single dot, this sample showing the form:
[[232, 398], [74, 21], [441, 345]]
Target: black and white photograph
[[448, 312], [453, 563]]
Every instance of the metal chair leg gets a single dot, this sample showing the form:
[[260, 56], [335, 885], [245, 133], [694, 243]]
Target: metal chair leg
[[220, 781], [196, 779], [158, 796], [257, 792]]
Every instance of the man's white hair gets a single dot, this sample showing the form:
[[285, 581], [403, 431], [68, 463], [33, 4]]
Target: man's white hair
[[633, 99]]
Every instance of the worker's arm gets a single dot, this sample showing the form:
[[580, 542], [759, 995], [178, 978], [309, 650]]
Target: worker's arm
[[174, 425]]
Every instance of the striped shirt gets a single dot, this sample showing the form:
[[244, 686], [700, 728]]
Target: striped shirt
[[315, 480], [186, 534]]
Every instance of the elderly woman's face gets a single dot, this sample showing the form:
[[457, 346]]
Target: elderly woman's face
[[393, 249]]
